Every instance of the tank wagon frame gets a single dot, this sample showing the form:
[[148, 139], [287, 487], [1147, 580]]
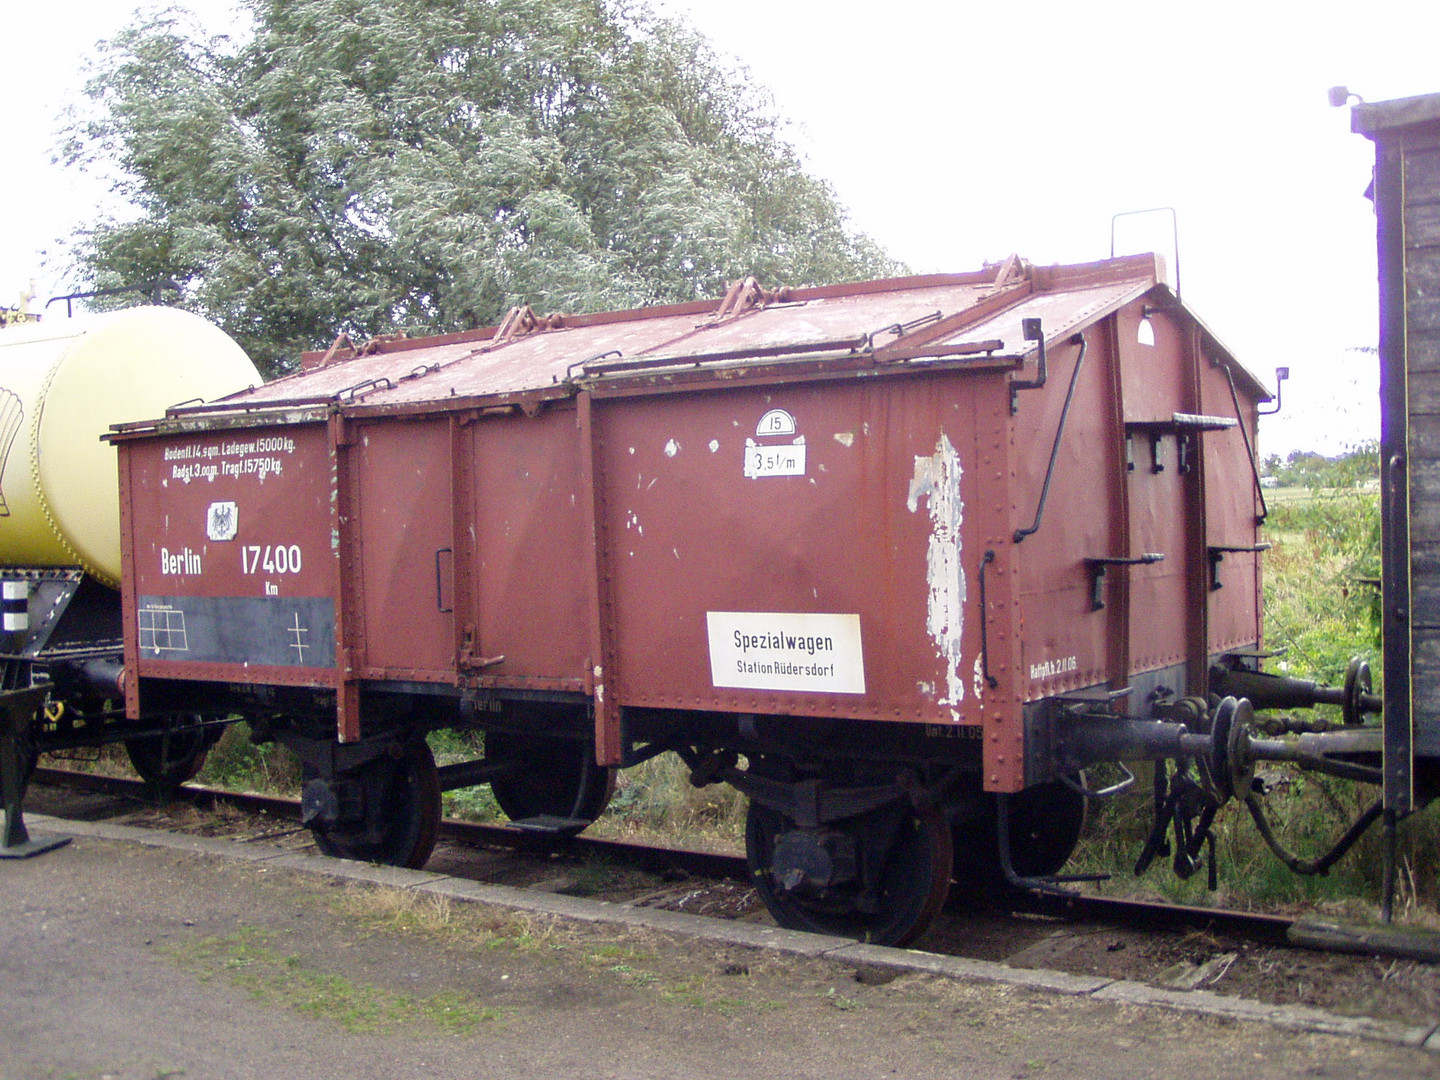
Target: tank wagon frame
[[61, 385]]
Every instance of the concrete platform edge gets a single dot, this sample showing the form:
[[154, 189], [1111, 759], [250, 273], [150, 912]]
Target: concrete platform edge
[[750, 935]]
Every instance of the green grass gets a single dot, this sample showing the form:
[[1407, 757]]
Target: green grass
[[1319, 613], [236, 763], [249, 960]]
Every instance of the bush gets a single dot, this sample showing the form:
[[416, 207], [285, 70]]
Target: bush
[[237, 763]]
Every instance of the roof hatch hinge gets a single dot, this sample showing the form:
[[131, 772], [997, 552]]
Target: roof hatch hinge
[[747, 295], [522, 320], [1012, 270]]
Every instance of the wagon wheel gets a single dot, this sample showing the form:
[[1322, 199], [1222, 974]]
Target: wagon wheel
[[1045, 825], [914, 878], [167, 761], [401, 796], [557, 777]]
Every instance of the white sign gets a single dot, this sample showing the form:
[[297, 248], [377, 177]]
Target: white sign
[[785, 460], [757, 650], [221, 521], [776, 422]]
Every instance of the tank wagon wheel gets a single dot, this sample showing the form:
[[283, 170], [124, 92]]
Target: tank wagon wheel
[[402, 811], [559, 777], [167, 761], [1045, 826], [914, 878]]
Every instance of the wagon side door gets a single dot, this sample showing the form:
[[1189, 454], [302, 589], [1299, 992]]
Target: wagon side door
[[403, 530]]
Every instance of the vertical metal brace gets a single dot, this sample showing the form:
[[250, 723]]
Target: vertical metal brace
[[18, 709], [600, 677], [990, 680], [440, 580], [344, 477]]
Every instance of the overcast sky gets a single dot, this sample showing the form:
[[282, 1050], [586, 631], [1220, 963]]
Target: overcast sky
[[959, 133]]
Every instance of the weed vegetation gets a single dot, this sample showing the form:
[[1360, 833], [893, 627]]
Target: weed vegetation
[[252, 960], [1322, 608]]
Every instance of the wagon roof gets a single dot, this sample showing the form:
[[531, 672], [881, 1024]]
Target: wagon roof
[[969, 318], [1373, 118]]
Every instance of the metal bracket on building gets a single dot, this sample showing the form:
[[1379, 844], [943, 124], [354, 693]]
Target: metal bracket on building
[[1099, 566], [1217, 555], [1281, 374], [1033, 331]]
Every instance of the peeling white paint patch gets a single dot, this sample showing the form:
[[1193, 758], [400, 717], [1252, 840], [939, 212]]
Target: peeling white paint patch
[[632, 521], [714, 445], [676, 552], [979, 677], [672, 448], [937, 478], [845, 438], [632, 449], [927, 689]]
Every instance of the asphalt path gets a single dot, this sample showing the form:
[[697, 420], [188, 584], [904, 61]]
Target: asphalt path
[[126, 960]]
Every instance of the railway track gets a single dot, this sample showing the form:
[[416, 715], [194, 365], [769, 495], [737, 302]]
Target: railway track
[[472, 834], [1240, 953], [1260, 929]]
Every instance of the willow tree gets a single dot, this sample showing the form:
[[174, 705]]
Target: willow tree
[[363, 165]]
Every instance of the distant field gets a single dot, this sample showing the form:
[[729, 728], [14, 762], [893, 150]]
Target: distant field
[[1288, 496]]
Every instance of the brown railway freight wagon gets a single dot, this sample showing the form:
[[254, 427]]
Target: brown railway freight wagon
[[898, 559]]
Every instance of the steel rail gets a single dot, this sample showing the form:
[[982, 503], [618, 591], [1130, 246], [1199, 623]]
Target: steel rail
[[1252, 926], [474, 834]]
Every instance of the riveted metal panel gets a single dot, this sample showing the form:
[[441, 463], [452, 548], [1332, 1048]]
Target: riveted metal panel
[[232, 554], [1067, 643], [524, 549], [406, 544], [809, 506], [844, 503]]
